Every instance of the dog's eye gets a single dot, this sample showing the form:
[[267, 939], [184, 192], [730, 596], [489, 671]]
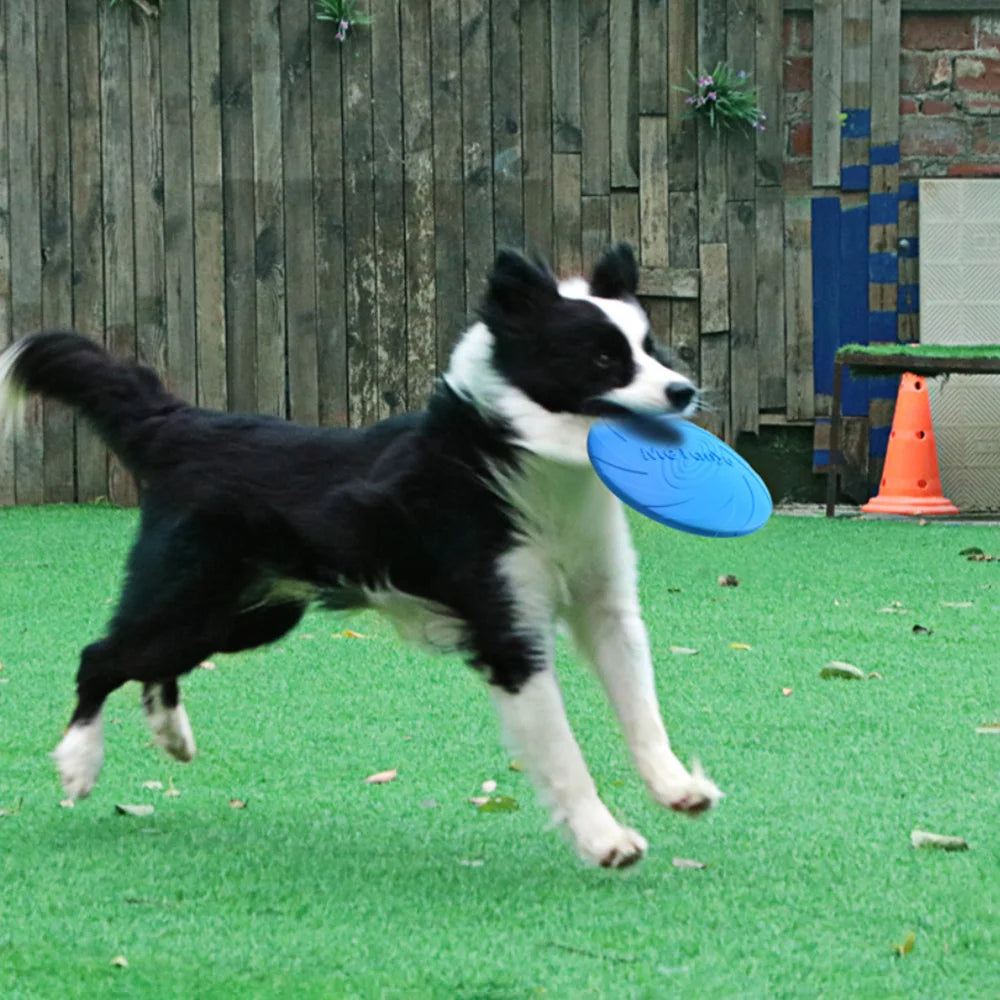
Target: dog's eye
[[603, 360]]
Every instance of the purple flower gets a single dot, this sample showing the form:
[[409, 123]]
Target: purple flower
[[342, 30], [742, 74], [711, 95], [705, 81], [689, 100]]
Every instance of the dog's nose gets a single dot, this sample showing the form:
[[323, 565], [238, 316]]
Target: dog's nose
[[680, 394]]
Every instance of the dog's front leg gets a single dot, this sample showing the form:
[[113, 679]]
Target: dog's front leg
[[609, 631], [519, 650], [535, 724]]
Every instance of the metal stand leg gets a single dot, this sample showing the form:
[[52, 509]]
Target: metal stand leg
[[833, 468]]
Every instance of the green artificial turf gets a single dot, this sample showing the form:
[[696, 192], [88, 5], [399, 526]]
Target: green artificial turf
[[924, 350], [323, 886]]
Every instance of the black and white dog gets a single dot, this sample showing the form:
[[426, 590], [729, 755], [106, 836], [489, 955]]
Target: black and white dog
[[475, 525]]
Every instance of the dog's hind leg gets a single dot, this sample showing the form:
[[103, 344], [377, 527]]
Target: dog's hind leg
[[168, 719], [166, 715], [80, 754]]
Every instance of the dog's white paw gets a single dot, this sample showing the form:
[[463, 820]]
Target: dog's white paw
[[697, 793], [600, 840], [79, 757], [172, 731]]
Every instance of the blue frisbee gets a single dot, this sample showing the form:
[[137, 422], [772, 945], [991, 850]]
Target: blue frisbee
[[680, 475]]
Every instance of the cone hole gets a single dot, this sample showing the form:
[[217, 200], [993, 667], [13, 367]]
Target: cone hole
[[922, 483], [892, 434], [921, 435], [918, 385]]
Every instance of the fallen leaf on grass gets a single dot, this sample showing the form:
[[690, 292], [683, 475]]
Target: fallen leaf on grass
[[728, 580], [153, 786], [740, 645], [786, 692], [989, 728], [349, 633], [472, 862], [489, 787], [846, 671], [907, 946], [922, 630], [498, 804], [207, 665], [921, 838], [238, 803], [683, 651], [381, 777], [13, 810], [67, 804], [120, 962], [894, 608], [689, 863], [515, 765], [977, 555], [144, 809], [956, 604]]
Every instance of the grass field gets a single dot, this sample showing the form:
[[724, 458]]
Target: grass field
[[323, 886]]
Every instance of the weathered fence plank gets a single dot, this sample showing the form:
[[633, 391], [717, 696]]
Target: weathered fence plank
[[624, 93], [505, 63], [449, 217], [744, 385], [827, 77], [595, 109], [565, 63], [359, 232], [654, 209], [390, 233], [238, 198], [209, 224], [269, 215], [798, 309], [118, 188], [477, 141], [537, 118], [770, 299], [7, 494], [300, 243], [418, 200], [56, 225], [328, 218], [178, 201]]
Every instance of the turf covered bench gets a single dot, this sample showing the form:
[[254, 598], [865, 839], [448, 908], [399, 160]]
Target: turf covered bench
[[886, 359]]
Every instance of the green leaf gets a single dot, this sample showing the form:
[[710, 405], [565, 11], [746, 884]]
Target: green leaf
[[499, 804]]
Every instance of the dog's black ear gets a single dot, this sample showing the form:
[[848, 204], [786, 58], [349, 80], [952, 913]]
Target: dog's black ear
[[518, 286], [616, 274]]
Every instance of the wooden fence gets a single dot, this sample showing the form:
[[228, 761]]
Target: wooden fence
[[282, 222]]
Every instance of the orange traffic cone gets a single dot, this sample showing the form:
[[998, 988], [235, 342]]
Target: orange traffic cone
[[911, 479]]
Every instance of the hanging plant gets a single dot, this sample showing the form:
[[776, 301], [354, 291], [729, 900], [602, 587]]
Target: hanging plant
[[344, 12], [725, 99]]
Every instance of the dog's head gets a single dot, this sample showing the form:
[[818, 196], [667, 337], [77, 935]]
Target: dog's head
[[551, 357], [580, 346]]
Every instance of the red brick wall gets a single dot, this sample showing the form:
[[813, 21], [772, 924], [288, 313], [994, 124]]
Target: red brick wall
[[949, 96]]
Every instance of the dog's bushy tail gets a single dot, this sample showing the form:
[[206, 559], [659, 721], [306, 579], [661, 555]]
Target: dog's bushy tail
[[118, 398]]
